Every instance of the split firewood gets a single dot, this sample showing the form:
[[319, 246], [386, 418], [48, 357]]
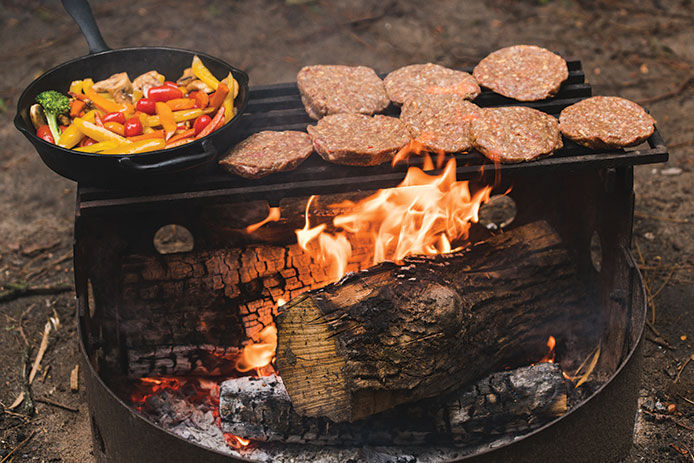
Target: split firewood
[[401, 333], [502, 404]]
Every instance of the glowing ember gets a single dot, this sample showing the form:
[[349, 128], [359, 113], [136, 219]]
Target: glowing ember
[[549, 358], [236, 442], [260, 354], [423, 215], [273, 216]]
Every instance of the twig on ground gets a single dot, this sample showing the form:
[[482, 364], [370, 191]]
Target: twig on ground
[[42, 351], [43, 400], [74, 378], [45, 373], [19, 446], [665, 267], [653, 328], [43, 269], [17, 290], [25, 393], [681, 88], [690, 401], [21, 320], [659, 218], [660, 341], [681, 369]]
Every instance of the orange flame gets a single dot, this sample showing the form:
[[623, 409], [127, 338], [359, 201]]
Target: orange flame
[[423, 215], [260, 354], [273, 216], [549, 358]]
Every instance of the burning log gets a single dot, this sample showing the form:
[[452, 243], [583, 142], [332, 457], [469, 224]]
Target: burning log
[[510, 402], [401, 333]]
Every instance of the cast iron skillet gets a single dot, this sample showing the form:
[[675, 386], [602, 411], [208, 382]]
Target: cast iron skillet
[[102, 62]]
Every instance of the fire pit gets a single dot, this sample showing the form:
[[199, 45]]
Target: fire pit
[[172, 285]]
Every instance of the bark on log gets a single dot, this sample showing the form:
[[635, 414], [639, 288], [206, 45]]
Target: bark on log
[[400, 333], [503, 404]]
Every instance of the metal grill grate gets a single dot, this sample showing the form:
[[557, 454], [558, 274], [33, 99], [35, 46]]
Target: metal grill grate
[[279, 107]]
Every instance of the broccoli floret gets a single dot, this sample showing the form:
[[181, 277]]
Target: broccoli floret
[[54, 104]]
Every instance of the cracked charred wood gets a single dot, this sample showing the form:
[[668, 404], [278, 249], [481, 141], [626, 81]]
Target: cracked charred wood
[[502, 404], [401, 333]]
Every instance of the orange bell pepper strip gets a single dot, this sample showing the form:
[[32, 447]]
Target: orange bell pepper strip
[[102, 103], [217, 98], [115, 127], [179, 116], [166, 118], [178, 104], [148, 136], [212, 126], [201, 98], [76, 107], [185, 134], [179, 142]]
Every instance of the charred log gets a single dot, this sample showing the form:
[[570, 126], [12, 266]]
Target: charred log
[[507, 403], [401, 333]]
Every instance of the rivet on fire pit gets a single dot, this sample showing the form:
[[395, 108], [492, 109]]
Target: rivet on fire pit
[[498, 212], [173, 238]]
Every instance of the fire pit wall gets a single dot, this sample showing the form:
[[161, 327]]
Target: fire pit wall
[[144, 313]]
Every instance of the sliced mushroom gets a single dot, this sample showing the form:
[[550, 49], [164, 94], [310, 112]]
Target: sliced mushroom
[[118, 85], [186, 78], [38, 118], [199, 85], [146, 81]]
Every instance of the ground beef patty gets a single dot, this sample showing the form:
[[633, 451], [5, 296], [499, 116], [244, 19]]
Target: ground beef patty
[[606, 122], [515, 134], [265, 153], [335, 89], [522, 72], [440, 122], [358, 140], [410, 81]]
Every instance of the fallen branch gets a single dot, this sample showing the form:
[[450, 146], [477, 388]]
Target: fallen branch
[[18, 290], [679, 373], [56, 404], [21, 444], [681, 88]]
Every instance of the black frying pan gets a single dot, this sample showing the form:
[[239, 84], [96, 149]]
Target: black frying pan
[[101, 63]]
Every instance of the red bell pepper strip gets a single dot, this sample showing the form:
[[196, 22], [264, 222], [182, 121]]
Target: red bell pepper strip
[[209, 128], [185, 134]]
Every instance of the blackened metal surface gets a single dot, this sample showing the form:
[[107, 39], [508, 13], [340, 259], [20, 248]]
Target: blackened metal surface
[[279, 107]]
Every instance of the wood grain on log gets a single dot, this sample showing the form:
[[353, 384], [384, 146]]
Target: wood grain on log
[[400, 333], [511, 402]]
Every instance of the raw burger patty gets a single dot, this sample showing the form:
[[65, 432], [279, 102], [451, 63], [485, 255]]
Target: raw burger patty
[[522, 72], [265, 153], [410, 81], [440, 122], [358, 140], [606, 122], [515, 134], [335, 89]]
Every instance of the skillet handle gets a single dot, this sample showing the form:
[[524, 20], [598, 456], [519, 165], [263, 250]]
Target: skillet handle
[[179, 163], [82, 14]]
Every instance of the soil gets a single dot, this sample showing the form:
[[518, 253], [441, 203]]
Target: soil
[[640, 50]]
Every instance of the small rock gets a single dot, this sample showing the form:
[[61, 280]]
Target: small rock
[[659, 406], [649, 236], [671, 171]]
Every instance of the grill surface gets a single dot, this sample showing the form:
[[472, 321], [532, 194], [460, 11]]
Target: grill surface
[[279, 107]]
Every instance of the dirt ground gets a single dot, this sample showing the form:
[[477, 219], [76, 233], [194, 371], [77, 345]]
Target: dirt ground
[[643, 50]]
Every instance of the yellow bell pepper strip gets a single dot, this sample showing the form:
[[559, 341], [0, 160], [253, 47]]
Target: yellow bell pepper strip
[[75, 86], [87, 83], [209, 128], [90, 116], [229, 99], [166, 118], [102, 103], [179, 116], [204, 74], [70, 137], [141, 146], [96, 147], [97, 133]]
